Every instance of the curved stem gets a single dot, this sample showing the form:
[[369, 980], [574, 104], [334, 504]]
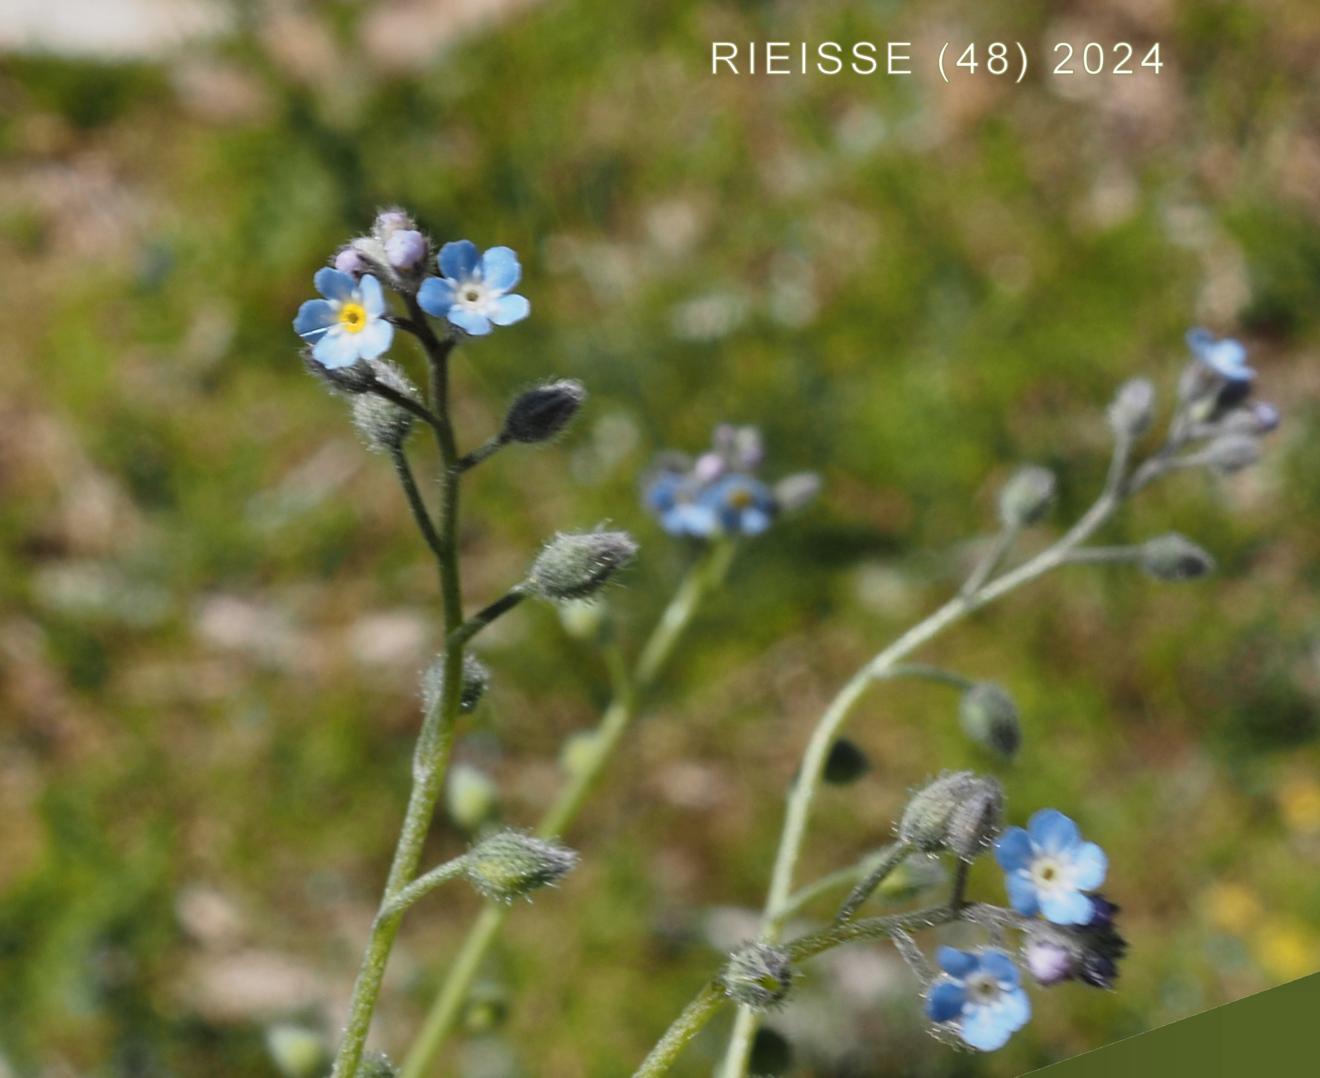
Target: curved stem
[[704, 575], [419, 511], [882, 665]]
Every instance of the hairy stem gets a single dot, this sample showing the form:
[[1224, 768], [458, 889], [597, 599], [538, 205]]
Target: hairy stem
[[702, 578], [882, 665], [431, 755]]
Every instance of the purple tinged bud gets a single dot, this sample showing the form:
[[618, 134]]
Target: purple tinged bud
[[709, 467], [1048, 963], [390, 221], [348, 260], [406, 250]]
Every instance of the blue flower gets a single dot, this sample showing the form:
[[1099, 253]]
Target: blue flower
[[1048, 868], [675, 500], [742, 505], [349, 324], [473, 292], [980, 995], [1223, 355]]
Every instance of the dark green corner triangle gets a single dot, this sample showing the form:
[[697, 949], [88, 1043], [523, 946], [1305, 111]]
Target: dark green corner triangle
[[1270, 1033]]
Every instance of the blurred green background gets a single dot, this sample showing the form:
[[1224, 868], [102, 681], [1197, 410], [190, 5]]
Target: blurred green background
[[213, 607]]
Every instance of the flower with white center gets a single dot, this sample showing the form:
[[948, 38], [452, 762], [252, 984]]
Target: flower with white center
[[349, 324], [741, 504], [980, 995], [473, 291], [1048, 868], [1223, 355]]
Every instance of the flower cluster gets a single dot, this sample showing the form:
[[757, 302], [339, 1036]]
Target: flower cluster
[[1216, 393], [719, 493], [1050, 874]]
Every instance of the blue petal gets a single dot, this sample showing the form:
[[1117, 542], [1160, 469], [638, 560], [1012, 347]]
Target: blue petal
[[314, 318], [661, 492], [373, 299], [334, 285], [375, 338], [1052, 831], [468, 320], [997, 963], [694, 520], [945, 1001], [1022, 894], [458, 260], [1199, 338], [985, 1028], [1066, 907], [436, 296], [1015, 1009], [1089, 865], [510, 309], [336, 350], [754, 522], [1013, 850], [956, 963], [500, 269]]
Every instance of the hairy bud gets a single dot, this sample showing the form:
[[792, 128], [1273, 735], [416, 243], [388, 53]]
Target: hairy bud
[[470, 796], [1027, 497], [405, 250], [577, 566], [512, 864], [990, 718], [476, 679], [846, 763], [383, 425], [1173, 557], [976, 820], [357, 378], [959, 811], [1132, 408], [1231, 453], [757, 976], [540, 414], [925, 822], [348, 259], [391, 221]]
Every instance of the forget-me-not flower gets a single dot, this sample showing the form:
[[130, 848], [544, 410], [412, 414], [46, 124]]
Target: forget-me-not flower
[[675, 499], [980, 995], [473, 291], [741, 504], [1223, 355], [1048, 868], [349, 324]]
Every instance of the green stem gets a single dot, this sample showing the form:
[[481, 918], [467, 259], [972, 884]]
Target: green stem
[[701, 579], [892, 858], [419, 511], [431, 755], [803, 792]]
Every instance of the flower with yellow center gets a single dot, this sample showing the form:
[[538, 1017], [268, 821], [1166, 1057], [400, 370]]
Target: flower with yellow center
[[347, 326]]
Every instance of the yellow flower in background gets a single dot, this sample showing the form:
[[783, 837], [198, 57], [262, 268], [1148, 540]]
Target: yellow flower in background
[[1286, 950], [1299, 804], [1231, 907]]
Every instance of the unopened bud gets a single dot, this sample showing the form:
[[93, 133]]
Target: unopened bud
[[476, 679], [349, 260], [383, 425], [297, 1052], [757, 976], [406, 250], [990, 718], [1173, 557], [1132, 408], [1256, 418], [925, 822], [1027, 497], [390, 221], [541, 413], [577, 566], [846, 763], [470, 796], [356, 378], [1231, 453], [512, 864], [977, 818], [794, 491]]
